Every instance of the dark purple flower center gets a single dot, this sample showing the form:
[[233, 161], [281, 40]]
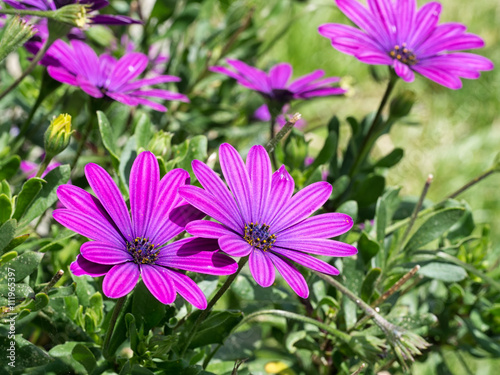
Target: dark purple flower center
[[258, 236], [403, 54], [143, 251], [282, 95]]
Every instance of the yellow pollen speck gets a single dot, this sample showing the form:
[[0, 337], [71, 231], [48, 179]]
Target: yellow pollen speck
[[398, 57], [393, 53], [396, 47]]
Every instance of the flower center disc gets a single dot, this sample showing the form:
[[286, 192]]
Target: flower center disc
[[142, 251], [282, 95], [258, 236], [403, 54]]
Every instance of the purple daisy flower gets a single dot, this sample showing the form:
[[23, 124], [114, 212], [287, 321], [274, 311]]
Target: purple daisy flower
[[275, 86], [122, 249], [30, 168], [259, 217], [394, 33], [94, 5], [103, 75]]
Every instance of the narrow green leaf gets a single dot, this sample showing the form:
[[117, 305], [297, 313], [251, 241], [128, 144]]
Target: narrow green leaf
[[391, 159], [21, 291], [435, 225], [26, 356], [216, 327], [147, 310], [143, 131], [196, 149], [5, 208], [443, 271], [29, 192], [7, 233], [16, 241], [340, 185], [5, 189], [369, 190], [368, 286], [107, 136], [83, 355], [48, 195], [326, 153], [367, 247], [23, 266], [380, 219]]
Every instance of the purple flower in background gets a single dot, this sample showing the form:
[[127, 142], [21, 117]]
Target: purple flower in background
[[262, 114], [94, 5], [30, 168], [157, 60], [103, 75], [275, 86], [122, 249], [394, 33], [259, 217]]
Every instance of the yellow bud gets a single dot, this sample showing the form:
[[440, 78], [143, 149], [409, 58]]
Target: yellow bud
[[58, 135]]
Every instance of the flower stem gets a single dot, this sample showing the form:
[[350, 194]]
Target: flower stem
[[468, 185], [272, 123], [417, 209], [271, 145], [45, 163], [212, 302], [30, 68], [53, 281], [116, 312], [372, 134]]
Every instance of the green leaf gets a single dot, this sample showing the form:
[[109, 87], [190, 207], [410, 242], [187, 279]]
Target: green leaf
[[9, 167], [29, 192], [5, 208], [7, 233], [196, 149], [16, 241], [23, 266], [83, 355], [367, 247], [22, 291], [443, 271], [353, 269], [329, 149], [435, 225], [27, 355], [350, 208], [48, 195], [5, 189], [107, 136], [390, 159], [41, 301], [339, 186], [143, 132], [147, 310], [368, 286], [369, 190], [216, 327]]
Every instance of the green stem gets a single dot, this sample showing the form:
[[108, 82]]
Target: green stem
[[30, 68], [211, 304], [116, 312], [53, 281], [24, 128], [27, 12], [271, 136], [468, 185], [83, 139], [271, 145], [44, 165], [372, 134]]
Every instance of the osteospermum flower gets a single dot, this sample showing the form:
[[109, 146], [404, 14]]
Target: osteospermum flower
[[105, 76], [259, 217], [394, 33], [94, 6], [124, 248], [276, 86]]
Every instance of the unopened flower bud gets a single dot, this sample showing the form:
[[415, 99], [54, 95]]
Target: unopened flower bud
[[58, 135], [16, 33], [73, 14], [401, 105], [160, 144]]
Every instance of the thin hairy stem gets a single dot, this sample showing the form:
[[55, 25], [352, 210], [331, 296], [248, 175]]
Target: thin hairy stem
[[116, 312]]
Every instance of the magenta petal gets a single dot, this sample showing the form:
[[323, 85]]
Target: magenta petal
[[89, 226], [87, 61], [234, 245], [88, 87], [178, 218], [291, 275], [77, 199], [262, 268], [236, 176], [259, 169], [104, 253], [159, 282], [317, 246], [282, 186], [307, 261], [301, 205], [210, 205], [440, 76], [126, 69], [110, 196], [206, 229], [405, 19], [215, 186], [144, 178], [82, 266], [320, 226], [426, 20], [383, 12], [188, 289], [279, 75], [62, 75], [302, 82], [149, 82], [197, 255], [120, 280], [403, 71]]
